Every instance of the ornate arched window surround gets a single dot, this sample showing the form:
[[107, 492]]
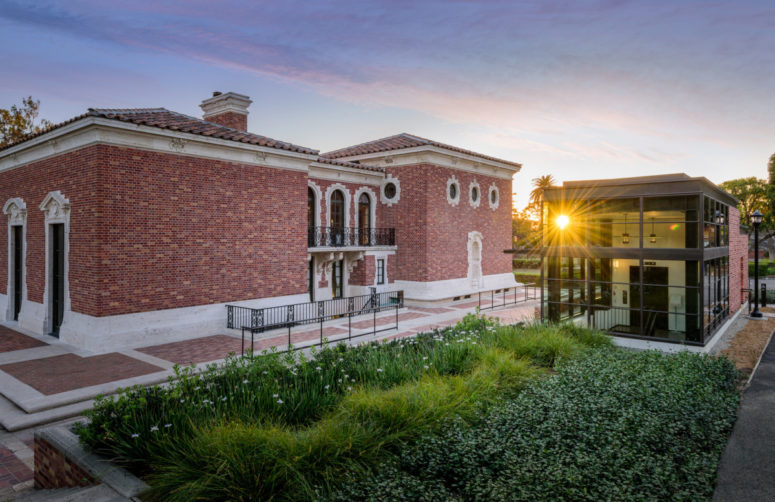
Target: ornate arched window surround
[[372, 207], [16, 210], [318, 199], [56, 209], [475, 258], [453, 201], [471, 186], [346, 193], [493, 188]]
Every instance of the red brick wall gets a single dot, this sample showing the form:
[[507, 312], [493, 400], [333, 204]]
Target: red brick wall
[[738, 261], [364, 272], [151, 231], [352, 188], [230, 119], [54, 470], [76, 175], [432, 235]]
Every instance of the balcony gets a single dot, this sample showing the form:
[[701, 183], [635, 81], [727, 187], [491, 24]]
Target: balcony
[[340, 237]]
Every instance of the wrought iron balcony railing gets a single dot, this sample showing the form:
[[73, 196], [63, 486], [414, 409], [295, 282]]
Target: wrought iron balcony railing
[[348, 237]]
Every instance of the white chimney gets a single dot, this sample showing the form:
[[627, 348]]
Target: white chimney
[[227, 109]]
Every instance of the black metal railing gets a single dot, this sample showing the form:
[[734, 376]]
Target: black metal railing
[[287, 316], [350, 236], [507, 296]]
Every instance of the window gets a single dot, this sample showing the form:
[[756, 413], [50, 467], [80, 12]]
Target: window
[[390, 190], [337, 278], [364, 220], [473, 194], [381, 271], [494, 197], [453, 191]]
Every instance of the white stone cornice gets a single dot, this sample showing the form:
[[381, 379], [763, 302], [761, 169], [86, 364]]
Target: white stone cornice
[[97, 130], [344, 174], [438, 156]]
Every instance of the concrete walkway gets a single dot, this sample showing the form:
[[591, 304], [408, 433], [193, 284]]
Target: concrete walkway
[[747, 468]]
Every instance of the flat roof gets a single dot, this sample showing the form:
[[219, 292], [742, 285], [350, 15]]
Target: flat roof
[[662, 184]]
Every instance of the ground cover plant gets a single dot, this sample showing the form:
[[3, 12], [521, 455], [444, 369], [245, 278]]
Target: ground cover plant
[[611, 425], [280, 427]]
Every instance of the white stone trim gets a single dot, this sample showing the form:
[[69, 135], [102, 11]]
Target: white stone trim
[[372, 206], [475, 250], [383, 198], [56, 209], [427, 154], [106, 334], [342, 174], [16, 210], [96, 130], [456, 200], [346, 192], [318, 201], [493, 188], [225, 102], [450, 288], [471, 201]]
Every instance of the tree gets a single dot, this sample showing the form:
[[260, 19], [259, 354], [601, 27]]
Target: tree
[[539, 185], [771, 169], [752, 194], [526, 228], [17, 123]]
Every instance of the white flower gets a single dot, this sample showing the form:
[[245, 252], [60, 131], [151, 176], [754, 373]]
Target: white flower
[[318, 368], [339, 380], [426, 366], [425, 358], [196, 388], [379, 370], [154, 428], [223, 398], [349, 388], [279, 401], [167, 426], [182, 400], [266, 372], [135, 436], [245, 381], [326, 387], [275, 396]]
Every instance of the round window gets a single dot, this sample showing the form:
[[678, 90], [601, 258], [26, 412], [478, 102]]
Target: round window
[[474, 194], [494, 197], [390, 190], [453, 191]]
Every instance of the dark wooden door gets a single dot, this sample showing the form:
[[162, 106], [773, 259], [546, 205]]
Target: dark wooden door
[[337, 219], [17, 271], [57, 277]]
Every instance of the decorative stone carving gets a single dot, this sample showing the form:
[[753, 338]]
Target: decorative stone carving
[[56, 207], [475, 259], [493, 190], [177, 144], [389, 201], [16, 210], [453, 182], [353, 260], [474, 194]]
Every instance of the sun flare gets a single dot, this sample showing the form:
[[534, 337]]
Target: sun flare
[[562, 221]]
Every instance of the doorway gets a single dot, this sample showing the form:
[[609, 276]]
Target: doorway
[[57, 278], [337, 276], [652, 297], [364, 220], [16, 280], [336, 221]]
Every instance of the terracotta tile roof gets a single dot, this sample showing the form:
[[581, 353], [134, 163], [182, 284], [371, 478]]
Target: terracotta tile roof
[[402, 141], [165, 119], [355, 165]]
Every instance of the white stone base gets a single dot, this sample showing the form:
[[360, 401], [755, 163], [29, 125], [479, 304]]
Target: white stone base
[[106, 334], [450, 288]]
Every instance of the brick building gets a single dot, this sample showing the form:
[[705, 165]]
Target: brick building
[[130, 226], [658, 258]]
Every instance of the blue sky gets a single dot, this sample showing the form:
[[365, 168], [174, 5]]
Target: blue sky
[[579, 90]]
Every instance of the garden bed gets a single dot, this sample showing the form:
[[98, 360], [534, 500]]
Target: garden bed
[[748, 344], [294, 428]]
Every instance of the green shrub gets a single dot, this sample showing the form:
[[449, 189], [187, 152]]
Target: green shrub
[[526, 262], [527, 278], [611, 425]]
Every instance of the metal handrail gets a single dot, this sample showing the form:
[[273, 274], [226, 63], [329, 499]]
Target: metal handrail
[[350, 236], [497, 294]]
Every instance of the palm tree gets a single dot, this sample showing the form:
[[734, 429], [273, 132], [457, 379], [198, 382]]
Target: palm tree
[[539, 185]]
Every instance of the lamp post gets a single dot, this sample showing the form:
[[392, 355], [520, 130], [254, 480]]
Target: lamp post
[[756, 219]]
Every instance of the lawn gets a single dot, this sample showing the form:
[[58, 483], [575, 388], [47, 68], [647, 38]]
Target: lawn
[[475, 412]]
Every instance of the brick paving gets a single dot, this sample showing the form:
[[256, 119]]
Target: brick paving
[[12, 470], [11, 340], [382, 321], [197, 350], [431, 310], [52, 375]]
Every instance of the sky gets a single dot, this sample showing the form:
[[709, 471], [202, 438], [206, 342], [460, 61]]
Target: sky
[[575, 89]]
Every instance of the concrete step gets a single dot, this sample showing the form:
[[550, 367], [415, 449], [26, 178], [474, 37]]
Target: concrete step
[[99, 493]]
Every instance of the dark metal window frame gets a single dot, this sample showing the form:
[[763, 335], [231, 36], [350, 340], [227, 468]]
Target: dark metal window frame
[[700, 254], [380, 270]]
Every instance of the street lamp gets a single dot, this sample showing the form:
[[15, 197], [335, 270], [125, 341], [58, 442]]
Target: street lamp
[[756, 219]]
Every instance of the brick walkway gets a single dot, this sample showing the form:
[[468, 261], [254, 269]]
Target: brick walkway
[[52, 375], [196, 351], [12, 470], [11, 340]]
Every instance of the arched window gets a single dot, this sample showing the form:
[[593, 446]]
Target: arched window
[[364, 219], [337, 230], [310, 207]]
